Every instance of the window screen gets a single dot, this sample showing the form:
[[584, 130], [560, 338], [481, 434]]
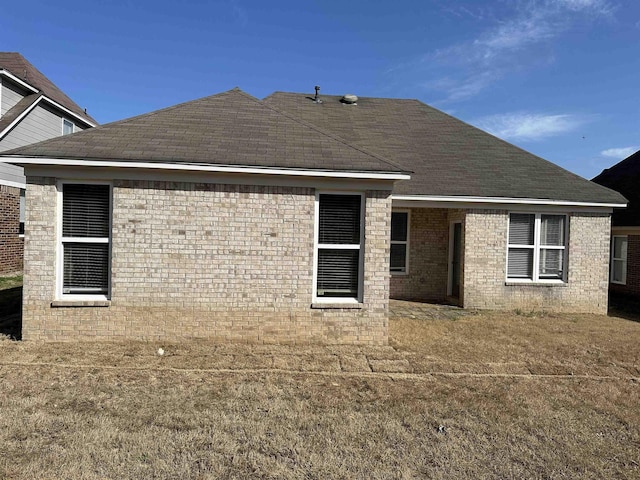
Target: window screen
[[339, 242], [85, 238]]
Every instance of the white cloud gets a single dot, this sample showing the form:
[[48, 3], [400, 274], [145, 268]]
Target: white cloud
[[619, 153], [529, 126], [519, 40]]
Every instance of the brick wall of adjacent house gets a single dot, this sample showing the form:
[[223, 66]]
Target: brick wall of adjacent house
[[225, 262], [632, 286], [11, 244], [485, 266]]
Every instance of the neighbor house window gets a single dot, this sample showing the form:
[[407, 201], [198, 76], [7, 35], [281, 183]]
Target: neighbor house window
[[619, 259], [339, 246], [22, 207], [67, 127], [537, 246], [85, 239], [399, 242]]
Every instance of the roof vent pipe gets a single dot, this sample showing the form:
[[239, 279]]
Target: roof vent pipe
[[317, 98]]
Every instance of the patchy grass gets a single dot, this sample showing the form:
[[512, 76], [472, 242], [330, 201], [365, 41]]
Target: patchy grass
[[119, 410], [503, 342], [10, 282]]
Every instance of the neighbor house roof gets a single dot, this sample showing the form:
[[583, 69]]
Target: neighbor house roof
[[447, 156], [19, 67], [624, 177], [230, 128]]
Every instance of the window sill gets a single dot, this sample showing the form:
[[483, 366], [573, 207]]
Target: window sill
[[399, 274], [344, 306], [512, 283], [80, 303]]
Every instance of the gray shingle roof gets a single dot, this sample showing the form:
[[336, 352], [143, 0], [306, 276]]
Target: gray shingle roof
[[230, 128], [447, 156], [21, 68], [624, 177]]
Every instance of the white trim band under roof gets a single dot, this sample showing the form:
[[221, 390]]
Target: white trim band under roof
[[17, 80], [207, 168], [501, 200], [9, 183]]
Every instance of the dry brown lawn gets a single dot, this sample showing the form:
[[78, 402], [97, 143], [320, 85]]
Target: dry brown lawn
[[492, 395]]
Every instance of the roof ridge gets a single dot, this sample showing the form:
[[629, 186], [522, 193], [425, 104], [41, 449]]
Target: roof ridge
[[333, 136]]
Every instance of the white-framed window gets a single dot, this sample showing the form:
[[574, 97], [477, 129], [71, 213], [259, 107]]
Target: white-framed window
[[22, 212], [67, 126], [399, 258], [619, 244], [537, 247], [339, 247], [84, 240]]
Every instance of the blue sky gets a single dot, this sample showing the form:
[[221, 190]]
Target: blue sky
[[559, 78]]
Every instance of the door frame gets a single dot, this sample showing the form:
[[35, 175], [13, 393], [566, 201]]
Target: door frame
[[452, 227]]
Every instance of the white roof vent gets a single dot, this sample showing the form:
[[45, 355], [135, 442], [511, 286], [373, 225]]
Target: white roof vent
[[349, 99]]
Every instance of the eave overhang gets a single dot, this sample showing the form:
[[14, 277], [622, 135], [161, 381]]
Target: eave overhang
[[199, 167]]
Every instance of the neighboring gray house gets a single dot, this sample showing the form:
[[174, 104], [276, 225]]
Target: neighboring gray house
[[292, 220], [624, 177], [32, 109]]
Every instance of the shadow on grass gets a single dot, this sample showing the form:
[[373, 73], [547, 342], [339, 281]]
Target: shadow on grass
[[624, 306], [11, 313]]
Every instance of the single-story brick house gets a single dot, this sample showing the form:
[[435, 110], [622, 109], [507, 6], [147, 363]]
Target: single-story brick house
[[624, 177], [295, 219]]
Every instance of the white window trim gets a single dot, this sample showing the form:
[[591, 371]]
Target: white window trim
[[623, 260], [317, 246], [536, 247], [73, 126], [59, 243], [398, 242]]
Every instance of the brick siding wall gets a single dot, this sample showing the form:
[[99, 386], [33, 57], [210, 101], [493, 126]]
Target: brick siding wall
[[225, 262], [485, 266], [428, 258], [11, 245], [632, 286]]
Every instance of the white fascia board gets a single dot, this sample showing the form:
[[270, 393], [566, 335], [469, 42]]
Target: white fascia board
[[9, 183], [207, 168], [20, 82], [19, 118], [68, 112], [419, 200]]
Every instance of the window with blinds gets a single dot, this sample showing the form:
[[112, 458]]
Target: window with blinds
[[339, 246], [619, 259], [537, 245], [399, 242], [85, 239]]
